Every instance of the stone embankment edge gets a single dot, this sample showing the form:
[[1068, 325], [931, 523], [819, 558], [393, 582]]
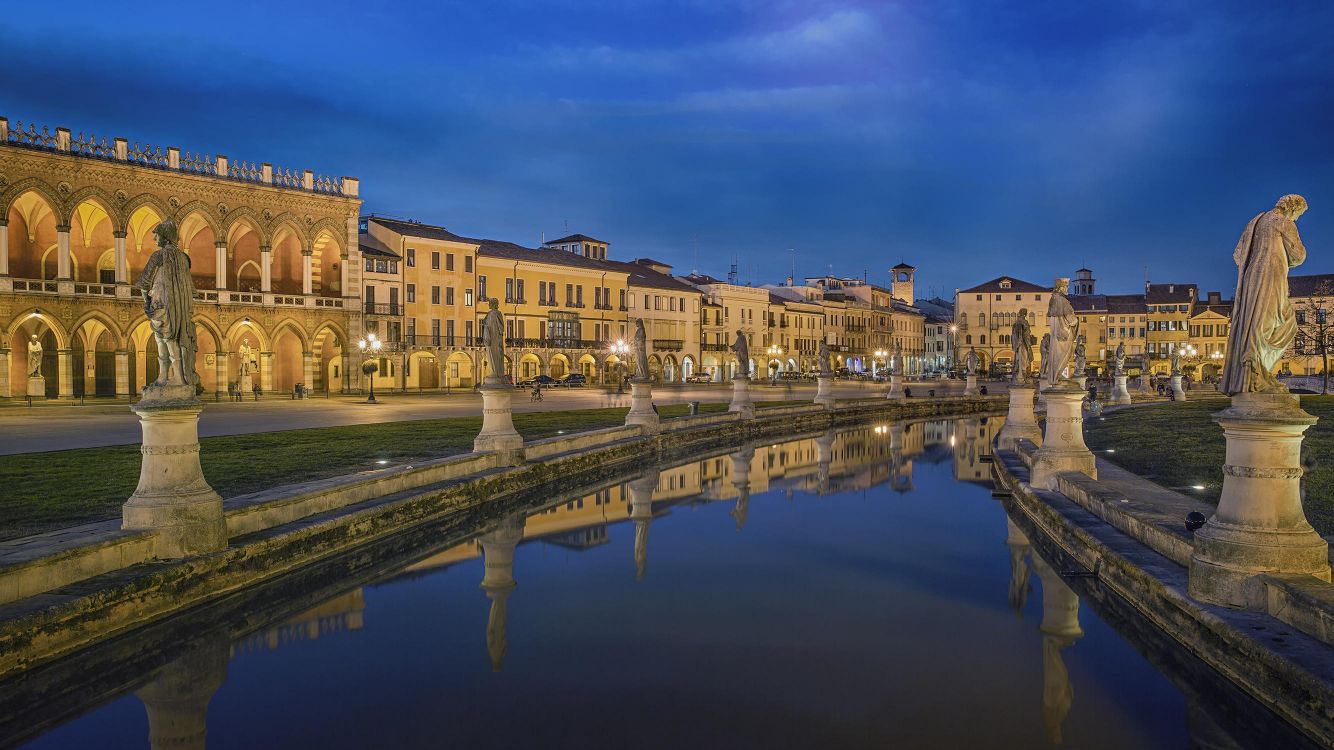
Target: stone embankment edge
[[1293, 680], [62, 620]]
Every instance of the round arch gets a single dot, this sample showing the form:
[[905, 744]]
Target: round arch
[[423, 371], [53, 338], [459, 371], [558, 366]]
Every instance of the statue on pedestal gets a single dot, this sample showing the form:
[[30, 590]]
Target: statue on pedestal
[[1061, 317], [896, 365], [1119, 358], [971, 362], [641, 351], [742, 349], [824, 357], [1175, 360], [493, 338], [34, 357], [169, 293], [1021, 338], [1081, 361], [1263, 322]]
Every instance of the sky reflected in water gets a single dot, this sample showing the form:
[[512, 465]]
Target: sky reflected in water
[[862, 589]]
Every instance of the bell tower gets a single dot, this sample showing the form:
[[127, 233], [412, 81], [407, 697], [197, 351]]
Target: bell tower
[[901, 288], [1083, 282]]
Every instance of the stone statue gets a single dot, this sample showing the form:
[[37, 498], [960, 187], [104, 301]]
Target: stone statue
[[1081, 361], [34, 357], [169, 295], [1263, 323], [971, 362], [824, 357], [246, 356], [641, 351], [896, 366], [1119, 358], [1061, 349], [1021, 345], [1175, 358], [1045, 348], [742, 349], [493, 338]]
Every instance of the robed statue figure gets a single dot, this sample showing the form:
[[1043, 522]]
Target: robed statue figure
[[493, 338], [897, 367], [169, 295], [641, 350], [1064, 324], [1119, 358], [34, 357], [824, 357], [1021, 345], [1081, 361], [972, 362], [1263, 323], [742, 349]]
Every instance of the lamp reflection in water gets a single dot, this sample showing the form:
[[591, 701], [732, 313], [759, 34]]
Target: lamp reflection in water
[[498, 581], [741, 462], [1060, 629], [641, 512]]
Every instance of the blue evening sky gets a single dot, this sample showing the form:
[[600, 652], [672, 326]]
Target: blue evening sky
[[971, 139]]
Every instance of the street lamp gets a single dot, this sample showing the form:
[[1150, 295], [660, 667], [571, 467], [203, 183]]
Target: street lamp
[[774, 351], [370, 345], [620, 349], [952, 356], [879, 355]]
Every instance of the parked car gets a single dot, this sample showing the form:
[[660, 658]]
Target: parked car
[[546, 381], [700, 377], [574, 380]]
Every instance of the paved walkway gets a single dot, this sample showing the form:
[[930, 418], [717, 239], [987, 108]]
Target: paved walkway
[[47, 428]]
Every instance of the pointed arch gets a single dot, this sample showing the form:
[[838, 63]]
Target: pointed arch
[[250, 217], [141, 201], [246, 327], [94, 194], [335, 229], [46, 318], [106, 321], [288, 221], [31, 185]]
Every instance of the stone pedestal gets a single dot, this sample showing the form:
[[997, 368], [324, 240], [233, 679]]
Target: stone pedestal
[[970, 386], [37, 386], [1178, 392], [824, 391], [641, 405], [247, 384], [1119, 393], [741, 463], [824, 456], [1260, 526], [741, 398], [895, 387], [498, 433], [1083, 382], [1063, 447], [1020, 421], [173, 498]]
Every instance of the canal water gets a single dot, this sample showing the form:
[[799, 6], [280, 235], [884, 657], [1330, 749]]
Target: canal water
[[855, 589]]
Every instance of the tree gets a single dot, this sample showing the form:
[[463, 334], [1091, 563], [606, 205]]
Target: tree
[[1315, 328]]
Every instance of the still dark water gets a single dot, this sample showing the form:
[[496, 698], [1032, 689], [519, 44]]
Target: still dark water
[[859, 589]]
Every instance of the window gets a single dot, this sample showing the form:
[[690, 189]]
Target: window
[[569, 295], [579, 295], [467, 327], [509, 290], [449, 333], [979, 298], [467, 301], [435, 332], [622, 299], [412, 292], [449, 261], [435, 260], [467, 264], [541, 292], [412, 258], [519, 292], [481, 288], [449, 295], [435, 295]]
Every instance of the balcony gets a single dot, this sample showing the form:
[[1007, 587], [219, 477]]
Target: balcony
[[202, 294], [383, 308], [715, 347], [668, 345]]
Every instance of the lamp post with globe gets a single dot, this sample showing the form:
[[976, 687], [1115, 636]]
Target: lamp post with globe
[[371, 345], [620, 349]]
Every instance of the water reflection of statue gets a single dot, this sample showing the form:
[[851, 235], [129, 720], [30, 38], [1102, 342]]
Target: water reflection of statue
[[824, 357], [1060, 629], [742, 349], [1061, 317], [176, 698], [498, 581], [1021, 345], [1020, 583], [741, 461], [169, 293], [34, 357], [641, 512], [1263, 322], [641, 350], [493, 338]]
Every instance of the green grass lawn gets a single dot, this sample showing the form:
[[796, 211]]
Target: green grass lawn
[[1177, 445], [50, 490]]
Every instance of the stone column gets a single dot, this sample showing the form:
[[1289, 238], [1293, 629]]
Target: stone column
[[1060, 629], [1260, 526], [307, 279], [220, 264], [64, 269], [895, 388], [5, 390], [1020, 421], [1063, 447], [122, 373], [65, 373], [641, 512], [4, 246], [266, 371], [741, 402], [122, 262], [824, 391], [308, 369], [741, 463], [265, 268], [1177, 391], [498, 581], [641, 406], [173, 497], [1120, 395], [970, 386], [177, 697], [498, 433]]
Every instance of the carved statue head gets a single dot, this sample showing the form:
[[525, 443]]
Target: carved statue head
[[1023, 313], [34, 338], [493, 303], [166, 233], [1291, 206], [1062, 285]]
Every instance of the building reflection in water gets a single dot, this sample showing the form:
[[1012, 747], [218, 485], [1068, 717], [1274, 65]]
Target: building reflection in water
[[1060, 629], [498, 580]]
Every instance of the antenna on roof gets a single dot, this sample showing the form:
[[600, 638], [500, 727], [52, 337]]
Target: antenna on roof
[[695, 242]]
